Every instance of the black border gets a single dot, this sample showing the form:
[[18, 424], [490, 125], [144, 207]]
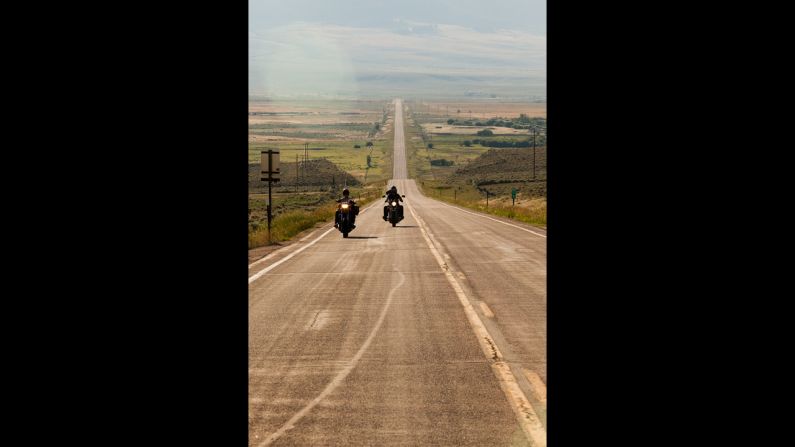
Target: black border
[[146, 283], [148, 266]]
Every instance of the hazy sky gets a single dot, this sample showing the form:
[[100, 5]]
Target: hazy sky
[[363, 48]]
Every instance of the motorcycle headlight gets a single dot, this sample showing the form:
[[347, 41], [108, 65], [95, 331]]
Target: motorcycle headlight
[[345, 206], [394, 203]]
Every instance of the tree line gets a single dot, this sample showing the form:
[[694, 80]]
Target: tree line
[[522, 122], [499, 143]]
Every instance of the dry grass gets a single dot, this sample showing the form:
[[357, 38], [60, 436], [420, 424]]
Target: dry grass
[[318, 112], [533, 211], [483, 109], [289, 223]]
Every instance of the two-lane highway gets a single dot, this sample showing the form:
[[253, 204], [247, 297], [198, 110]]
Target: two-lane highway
[[429, 333]]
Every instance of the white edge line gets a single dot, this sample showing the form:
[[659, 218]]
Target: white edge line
[[491, 218], [275, 252], [257, 275], [264, 258], [525, 415]]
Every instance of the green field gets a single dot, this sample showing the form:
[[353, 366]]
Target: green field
[[341, 153], [449, 148], [326, 129], [477, 176]]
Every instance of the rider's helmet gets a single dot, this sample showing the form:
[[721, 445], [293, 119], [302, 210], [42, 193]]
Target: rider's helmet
[[345, 192], [394, 188]]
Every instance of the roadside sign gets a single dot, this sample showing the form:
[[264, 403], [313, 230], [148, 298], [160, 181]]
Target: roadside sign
[[270, 165], [513, 193], [269, 170]]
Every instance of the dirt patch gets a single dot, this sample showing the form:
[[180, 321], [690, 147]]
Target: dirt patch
[[315, 172]]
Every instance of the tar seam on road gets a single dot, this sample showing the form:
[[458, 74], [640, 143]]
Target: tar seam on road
[[257, 275], [487, 217], [341, 375], [527, 417]]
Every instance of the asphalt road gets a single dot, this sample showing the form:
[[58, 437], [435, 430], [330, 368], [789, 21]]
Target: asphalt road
[[429, 333]]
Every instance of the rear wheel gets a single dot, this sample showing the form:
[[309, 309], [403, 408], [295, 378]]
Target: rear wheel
[[393, 224], [345, 234]]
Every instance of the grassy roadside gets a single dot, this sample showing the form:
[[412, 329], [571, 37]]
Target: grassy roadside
[[291, 222], [530, 210]]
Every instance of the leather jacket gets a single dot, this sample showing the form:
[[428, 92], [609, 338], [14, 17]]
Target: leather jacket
[[390, 196]]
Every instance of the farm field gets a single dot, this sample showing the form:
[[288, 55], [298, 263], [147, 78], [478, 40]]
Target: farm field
[[326, 129], [316, 140], [480, 109], [454, 164]]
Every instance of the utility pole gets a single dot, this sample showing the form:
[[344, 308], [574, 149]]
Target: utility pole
[[534, 153], [305, 162], [269, 167], [296, 172]]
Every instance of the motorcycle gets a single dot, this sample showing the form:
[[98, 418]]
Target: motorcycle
[[345, 214], [394, 212]]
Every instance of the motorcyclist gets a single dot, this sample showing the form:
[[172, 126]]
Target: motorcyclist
[[354, 209], [392, 195]]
